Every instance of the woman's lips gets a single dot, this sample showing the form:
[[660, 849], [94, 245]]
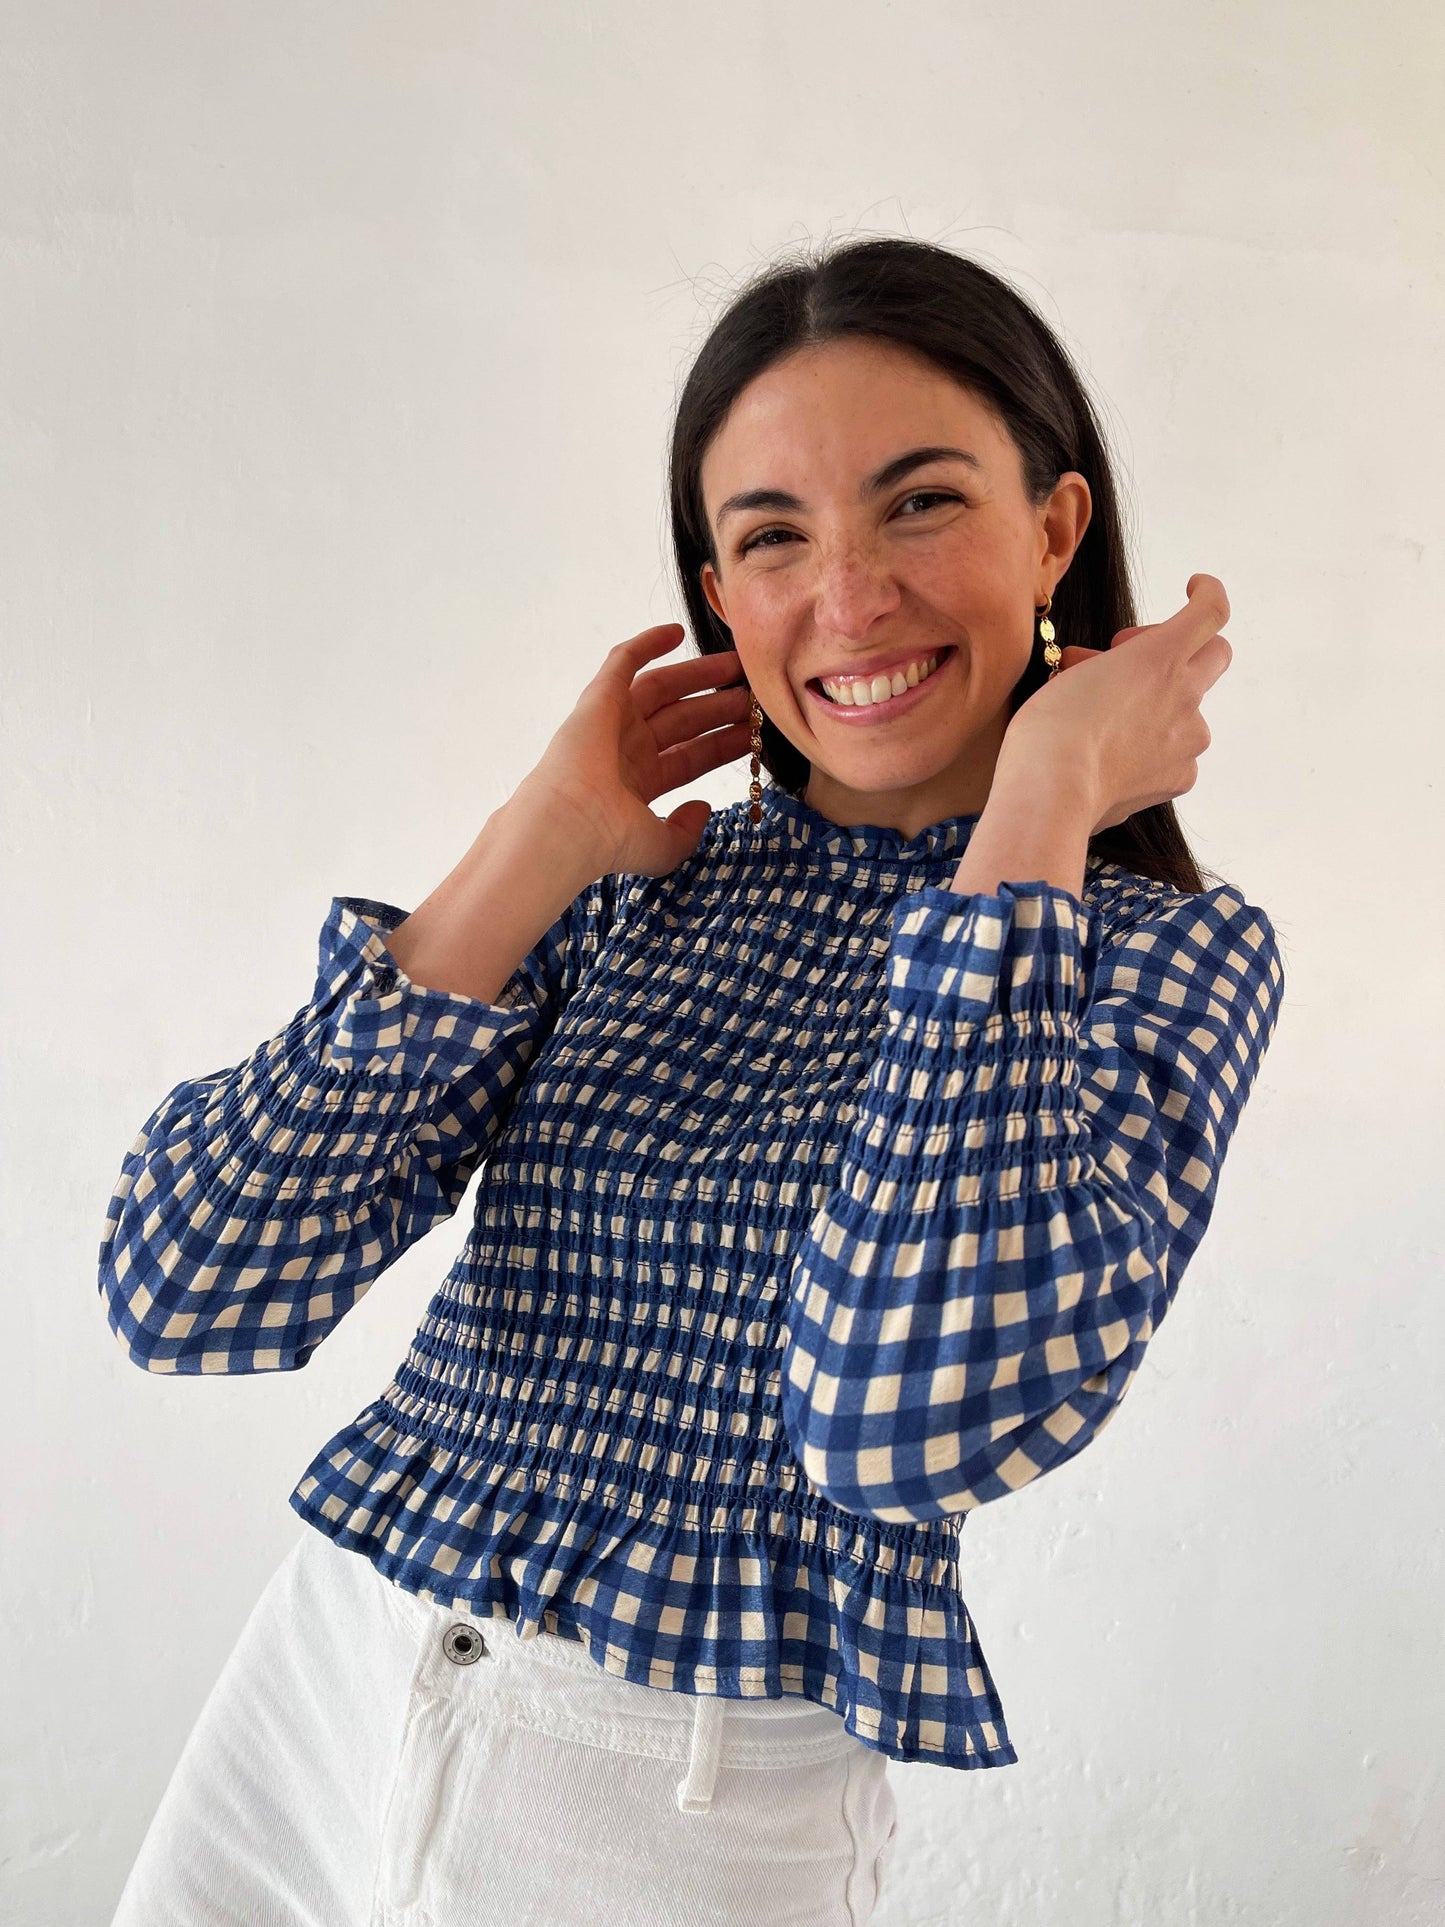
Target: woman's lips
[[860, 715]]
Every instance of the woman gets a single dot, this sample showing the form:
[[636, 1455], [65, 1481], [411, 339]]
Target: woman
[[843, 1150]]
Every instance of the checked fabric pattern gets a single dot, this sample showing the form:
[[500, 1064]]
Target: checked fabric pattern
[[1032, 1168], [258, 1205], [818, 1204]]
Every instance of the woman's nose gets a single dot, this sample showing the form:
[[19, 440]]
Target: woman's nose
[[852, 588]]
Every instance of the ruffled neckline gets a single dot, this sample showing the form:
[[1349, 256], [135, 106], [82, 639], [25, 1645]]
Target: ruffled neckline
[[788, 818]]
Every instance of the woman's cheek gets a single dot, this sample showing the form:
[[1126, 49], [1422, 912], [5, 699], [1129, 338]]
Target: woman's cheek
[[770, 601]]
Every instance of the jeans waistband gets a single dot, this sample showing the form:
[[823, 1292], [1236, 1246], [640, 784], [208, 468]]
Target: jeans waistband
[[720, 1731], [708, 1730]]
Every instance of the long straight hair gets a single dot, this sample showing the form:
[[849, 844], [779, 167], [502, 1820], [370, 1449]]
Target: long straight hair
[[981, 332]]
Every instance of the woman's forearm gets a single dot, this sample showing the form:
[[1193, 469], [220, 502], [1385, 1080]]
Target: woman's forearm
[[477, 925], [1035, 826]]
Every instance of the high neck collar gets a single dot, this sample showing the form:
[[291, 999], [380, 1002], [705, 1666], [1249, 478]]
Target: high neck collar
[[790, 819]]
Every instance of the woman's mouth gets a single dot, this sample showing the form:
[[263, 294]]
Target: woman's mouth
[[890, 706]]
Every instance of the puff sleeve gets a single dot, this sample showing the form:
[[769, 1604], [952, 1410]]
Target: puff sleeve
[[1031, 1166], [258, 1204]]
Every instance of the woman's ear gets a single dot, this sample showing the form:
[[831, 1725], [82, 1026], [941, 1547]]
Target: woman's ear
[[712, 589], [1064, 518]]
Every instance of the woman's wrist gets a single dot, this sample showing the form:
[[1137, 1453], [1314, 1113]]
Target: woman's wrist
[[473, 931], [1035, 826]]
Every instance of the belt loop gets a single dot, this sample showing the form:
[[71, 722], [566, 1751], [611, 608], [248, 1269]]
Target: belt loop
[[694, 1794]]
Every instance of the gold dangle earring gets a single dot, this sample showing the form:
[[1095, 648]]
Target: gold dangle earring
[[755, 787], [1052, 651]]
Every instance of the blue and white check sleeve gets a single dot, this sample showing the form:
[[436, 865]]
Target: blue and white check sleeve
[[257, 1205], [1032, 1165]]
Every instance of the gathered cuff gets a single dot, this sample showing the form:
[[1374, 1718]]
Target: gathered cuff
[[1026, 950], [362, 1066], [368, 1019], [977, 1076]]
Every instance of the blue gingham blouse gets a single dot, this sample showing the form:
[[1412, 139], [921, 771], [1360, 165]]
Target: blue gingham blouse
[[819, 1205]]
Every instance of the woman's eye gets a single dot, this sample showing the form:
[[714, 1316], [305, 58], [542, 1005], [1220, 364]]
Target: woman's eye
[[756, 541], [928, 495], [918, 495]]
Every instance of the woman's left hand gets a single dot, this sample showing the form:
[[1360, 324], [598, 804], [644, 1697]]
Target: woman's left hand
[[1125, 722]]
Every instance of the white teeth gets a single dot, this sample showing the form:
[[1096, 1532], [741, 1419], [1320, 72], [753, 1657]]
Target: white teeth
[[851, 694]]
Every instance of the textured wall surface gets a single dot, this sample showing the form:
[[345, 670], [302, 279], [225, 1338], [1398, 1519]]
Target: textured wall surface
[[337, 349]]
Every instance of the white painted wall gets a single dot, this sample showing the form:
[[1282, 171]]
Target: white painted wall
[[337, 348]]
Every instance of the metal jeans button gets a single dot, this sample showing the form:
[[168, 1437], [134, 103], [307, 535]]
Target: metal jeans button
[[463, 1645]]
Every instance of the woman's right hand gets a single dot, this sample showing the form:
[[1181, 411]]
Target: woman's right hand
[[637, 734]]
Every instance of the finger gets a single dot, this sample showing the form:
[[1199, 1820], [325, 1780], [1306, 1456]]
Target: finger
[[1206, 611], [703, 753], [623, 658], [1209, 586], [656, 629], [1210, 660], [653, 688], [1203, 616], [675, 722]]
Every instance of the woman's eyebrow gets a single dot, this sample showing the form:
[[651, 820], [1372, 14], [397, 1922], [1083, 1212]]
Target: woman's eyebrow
[[891, 472]]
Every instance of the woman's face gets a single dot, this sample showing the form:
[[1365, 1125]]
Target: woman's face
[[848, 555]]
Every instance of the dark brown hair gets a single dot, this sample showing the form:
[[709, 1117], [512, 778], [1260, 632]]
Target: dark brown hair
[[980, 331]]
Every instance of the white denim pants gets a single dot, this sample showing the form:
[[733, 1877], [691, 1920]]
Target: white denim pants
[[370, 1759]]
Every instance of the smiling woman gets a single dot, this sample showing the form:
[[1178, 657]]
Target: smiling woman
[[883, 453], [838, 1162]]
